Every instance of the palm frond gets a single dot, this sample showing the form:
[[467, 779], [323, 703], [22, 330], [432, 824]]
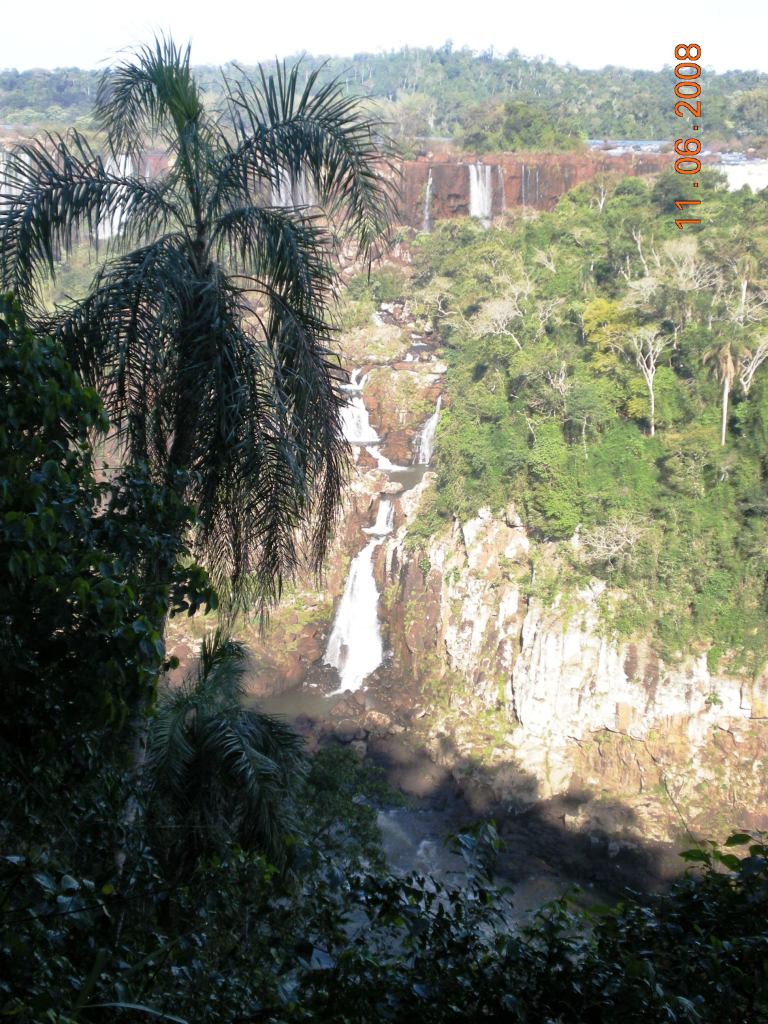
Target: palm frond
[[171, 752], [220, 666], [152, 93], [316, 133], [220, 773], [58, 188], [122, 338], [208, 331]]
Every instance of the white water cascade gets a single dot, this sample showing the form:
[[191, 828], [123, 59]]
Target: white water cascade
[[481, 192], [6, 188], [121, 166], [381, 460], [747, 172], [385, 520], [356, 424], [292, 191], [357, 427], [500, 171], [354, 646], [356, 382], [426, 224], [427, 437]]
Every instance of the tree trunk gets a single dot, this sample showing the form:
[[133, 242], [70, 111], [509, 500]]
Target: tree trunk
[[726, 393], [139, 728], [159, 576], [653, 409]]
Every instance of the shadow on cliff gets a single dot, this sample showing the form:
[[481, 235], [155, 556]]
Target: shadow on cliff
[[541, 835]]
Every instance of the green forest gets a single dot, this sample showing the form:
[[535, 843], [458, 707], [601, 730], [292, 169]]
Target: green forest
[[484, 101], [608, 373], [171, 446]]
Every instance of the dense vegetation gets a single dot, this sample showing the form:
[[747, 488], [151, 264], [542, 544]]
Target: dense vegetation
[[609, 374], [485, 101]]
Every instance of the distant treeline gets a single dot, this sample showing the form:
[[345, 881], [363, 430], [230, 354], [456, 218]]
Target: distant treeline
[[483, 101]]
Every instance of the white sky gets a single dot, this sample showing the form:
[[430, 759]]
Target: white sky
[[588, 33]]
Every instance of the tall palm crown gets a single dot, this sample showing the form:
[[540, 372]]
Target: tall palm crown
[[208, 330]]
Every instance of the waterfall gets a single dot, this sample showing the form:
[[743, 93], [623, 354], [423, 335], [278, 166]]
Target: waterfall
[[481, 192], [304, 192], [427, 437], [381, 460], [123, 165], [6, 188], [292, 191], [749, 172], [385, 520], [354, 646], [357, 426], [355, 382], [281, 194], [426, 224], [522, 186]]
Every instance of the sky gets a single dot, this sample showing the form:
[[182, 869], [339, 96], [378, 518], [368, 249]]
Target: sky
[[587, 33]]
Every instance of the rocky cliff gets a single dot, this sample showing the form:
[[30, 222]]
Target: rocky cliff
[[537, 697], [442, 186], [506, 676]]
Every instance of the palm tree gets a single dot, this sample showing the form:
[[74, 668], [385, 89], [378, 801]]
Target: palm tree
[[724, 358], [219, 774], [208, 329]]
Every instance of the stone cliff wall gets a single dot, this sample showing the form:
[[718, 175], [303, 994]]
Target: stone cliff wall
[[536, 180], [512, 683], [550, 705]]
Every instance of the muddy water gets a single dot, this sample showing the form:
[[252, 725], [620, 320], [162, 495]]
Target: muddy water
[[293, 704], [408, 476]]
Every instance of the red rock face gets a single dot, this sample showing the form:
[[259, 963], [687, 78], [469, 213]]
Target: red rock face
[[517, 179]]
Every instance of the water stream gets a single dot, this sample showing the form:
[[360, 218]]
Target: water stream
[[413, 836], [355, 646], [481, 192], [426, 224], [385, 519], [426, 445], [356, 424]]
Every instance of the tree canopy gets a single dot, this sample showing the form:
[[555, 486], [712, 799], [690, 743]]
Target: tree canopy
[[208, 329]]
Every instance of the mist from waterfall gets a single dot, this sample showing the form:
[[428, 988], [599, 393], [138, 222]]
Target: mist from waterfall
[[354, 647], [427, 437], [481, 192]]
